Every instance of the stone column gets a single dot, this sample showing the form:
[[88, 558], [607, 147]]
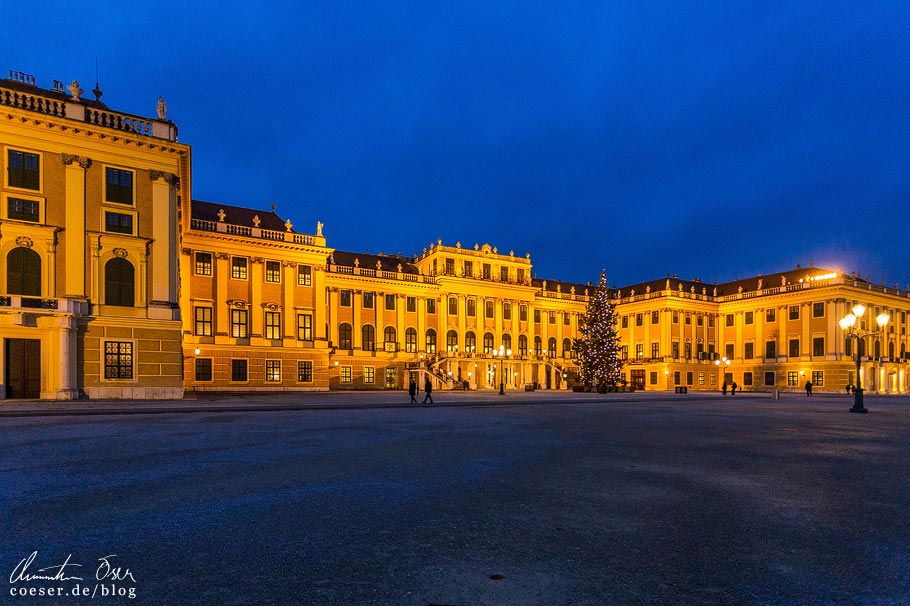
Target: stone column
[[163, 254], [67, 389], [222, 312], [257, 312]]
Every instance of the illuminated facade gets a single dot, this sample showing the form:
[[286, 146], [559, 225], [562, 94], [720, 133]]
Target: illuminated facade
[[267, 308], [88, 243], [777, 332], [113, 285]]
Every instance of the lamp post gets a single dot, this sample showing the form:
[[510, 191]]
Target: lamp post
[[851, 326], [723, 364], [503, 354]]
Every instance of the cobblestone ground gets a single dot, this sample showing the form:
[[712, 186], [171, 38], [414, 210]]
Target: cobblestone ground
[[530, 499]]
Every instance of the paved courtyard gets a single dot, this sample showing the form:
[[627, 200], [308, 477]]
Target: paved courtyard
[[529, 499]]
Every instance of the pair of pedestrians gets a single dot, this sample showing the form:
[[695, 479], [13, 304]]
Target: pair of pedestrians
[[427, 390]]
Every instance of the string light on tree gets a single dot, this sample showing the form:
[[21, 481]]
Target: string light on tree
[[598, 347]]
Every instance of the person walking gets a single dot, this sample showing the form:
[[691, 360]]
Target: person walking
[[809, 388], [428, 391], [723, 388], [733, 387], [412, 391]]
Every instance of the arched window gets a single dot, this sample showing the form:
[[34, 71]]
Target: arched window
[[891, 349], [566, 348], [431, 341], [451, 341], [369, 337], [878, 349], [390, 337], [903, 350], [345, 336], [470, 342], [551, 347], [522, 345], [410, 340], [538, 346], [487, 343], [119, 283], [507, 341], [23, 272]]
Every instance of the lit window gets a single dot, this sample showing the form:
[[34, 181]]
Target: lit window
[[239, 268], [273, 325], [273, 371], [204, 321], [369, 374], [239, 323], [305, 327], [345, 374], [273, 271], [203, 264], [304, 371], [304, 275]]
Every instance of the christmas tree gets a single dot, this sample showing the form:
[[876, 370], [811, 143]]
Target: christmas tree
[[598, 347]]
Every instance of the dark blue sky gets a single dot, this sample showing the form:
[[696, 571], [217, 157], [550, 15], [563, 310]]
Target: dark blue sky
[[712, 140]]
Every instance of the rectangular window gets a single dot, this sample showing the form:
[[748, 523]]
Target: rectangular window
[[794, 348], [566, 319], [655, 317], [792, 378], [203, 369], [747, 379], [523, 313], [503, 274], [119, 223], [469, 269], [368, 298], [345, 298], [273, 325], [552, 317], [118, 360], [273, 272], [24, 170], [411, 304], [487, 271], [204, 321], [677, 377], [674, 349], [794, 312], [389, 302], [655, 350], [688, 319], [488, 309], [273, 371], [203, 264], [687, 350], [239, 268], [818, 346], [769, 378], [506, 311], [652, 377], [818, 377], [675, 317], [749, 350], [119, 186], [749, 318], [304, 327], [345, 374], [701, 378], [700, 321], [472, 308], [369, 374], [23, 210], [450, 267], [239, 323], [818, 310], [304, 275], [689, 378], [431, 306], [521, 276], [771, 349], [304, 371], [729, 320], [770, 316], [639, 351], [624, 352], [638, 320], [729, 351], [238, 370], [710, 321], [453, 306]]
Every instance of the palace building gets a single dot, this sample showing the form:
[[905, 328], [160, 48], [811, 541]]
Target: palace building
[[88, 246], [115, 283]]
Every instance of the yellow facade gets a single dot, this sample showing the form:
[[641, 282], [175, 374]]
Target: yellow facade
[[114, 284], [88, 238], [778, 332]]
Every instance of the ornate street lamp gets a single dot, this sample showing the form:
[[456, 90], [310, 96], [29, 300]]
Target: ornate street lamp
[[851, 326], [503, 354], [723, 363]]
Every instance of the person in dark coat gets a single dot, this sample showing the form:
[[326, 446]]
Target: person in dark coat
[[733, 387], [428, 391], [809, 388], [723, 388], [412, 391]]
